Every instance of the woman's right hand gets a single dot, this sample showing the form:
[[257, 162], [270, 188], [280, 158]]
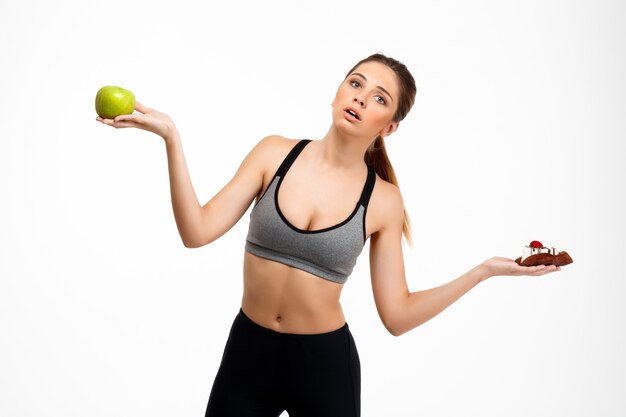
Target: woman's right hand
[[500, 266], [145, 118]]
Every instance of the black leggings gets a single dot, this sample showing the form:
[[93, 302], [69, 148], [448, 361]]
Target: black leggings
[[264, 373]]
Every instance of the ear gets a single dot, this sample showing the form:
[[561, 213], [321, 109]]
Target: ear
[[332, 103], [389, 129], [335, 96]]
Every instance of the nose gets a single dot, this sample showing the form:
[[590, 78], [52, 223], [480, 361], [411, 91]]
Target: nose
[[359, 101]]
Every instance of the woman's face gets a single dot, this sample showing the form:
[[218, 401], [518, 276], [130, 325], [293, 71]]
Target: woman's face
[[366, 101]]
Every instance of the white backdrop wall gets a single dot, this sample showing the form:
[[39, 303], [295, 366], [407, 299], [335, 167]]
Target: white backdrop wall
[[517, 134]]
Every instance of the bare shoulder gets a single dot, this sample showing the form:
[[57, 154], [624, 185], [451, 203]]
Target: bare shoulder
[[386, 206], [265, 158], [266, 151], [272, 148]]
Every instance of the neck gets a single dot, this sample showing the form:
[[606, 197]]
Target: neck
[[341, 151]]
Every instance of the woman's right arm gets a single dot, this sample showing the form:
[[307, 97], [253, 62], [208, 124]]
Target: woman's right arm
[[199, 225]]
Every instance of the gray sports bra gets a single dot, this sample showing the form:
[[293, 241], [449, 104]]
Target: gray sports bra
[[329, 253]]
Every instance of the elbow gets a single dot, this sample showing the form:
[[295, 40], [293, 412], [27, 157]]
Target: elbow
[[394, 327], [395, 331], [192, 243], [398, 329], [194, 238], [399, 324], [197, 242]]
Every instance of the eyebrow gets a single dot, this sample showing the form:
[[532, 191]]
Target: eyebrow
[[378, 86]]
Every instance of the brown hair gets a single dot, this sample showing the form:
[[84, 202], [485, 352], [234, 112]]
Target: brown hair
[[376, 155]]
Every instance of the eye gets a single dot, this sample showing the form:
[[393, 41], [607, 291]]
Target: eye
[[380, 99], [355, 83]]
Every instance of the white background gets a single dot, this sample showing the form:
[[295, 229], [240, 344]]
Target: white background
[[517, 134]]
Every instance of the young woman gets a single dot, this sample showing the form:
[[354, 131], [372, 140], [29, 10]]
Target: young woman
[[317, 202]]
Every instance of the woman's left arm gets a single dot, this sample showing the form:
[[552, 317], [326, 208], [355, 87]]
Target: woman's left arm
[[401, 310]]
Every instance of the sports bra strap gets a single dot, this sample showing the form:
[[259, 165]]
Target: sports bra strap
[[369, 187], [291, 156]]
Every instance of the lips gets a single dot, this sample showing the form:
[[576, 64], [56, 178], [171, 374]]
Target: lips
[[352, 112]]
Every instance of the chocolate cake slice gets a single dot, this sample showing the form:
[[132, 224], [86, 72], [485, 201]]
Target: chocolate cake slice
[[537, 254]]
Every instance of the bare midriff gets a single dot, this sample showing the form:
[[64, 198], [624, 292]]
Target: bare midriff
[[289, 300]]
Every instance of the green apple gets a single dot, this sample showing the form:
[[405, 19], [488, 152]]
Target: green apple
[[111, 101]]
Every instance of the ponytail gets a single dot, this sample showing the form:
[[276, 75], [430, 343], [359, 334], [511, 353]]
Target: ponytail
[[376, 157]]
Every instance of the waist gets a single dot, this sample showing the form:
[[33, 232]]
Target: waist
[[251, 325], [289, 300]]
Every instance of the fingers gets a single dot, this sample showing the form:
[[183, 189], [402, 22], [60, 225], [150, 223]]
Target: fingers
[[551, 268], [123, 121], [141, 108], [123, 124], [108, 122], [541, 270], [128, 117], [515, 269], [121, 118], [534, 270], [119, 124]]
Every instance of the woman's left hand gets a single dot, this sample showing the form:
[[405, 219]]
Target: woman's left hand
[[144, 118], [499, 266]]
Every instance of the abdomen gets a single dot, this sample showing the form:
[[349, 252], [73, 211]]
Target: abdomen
[[289, 300]]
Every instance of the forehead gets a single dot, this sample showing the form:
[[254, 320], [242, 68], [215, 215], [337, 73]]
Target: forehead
[[379, 75]]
